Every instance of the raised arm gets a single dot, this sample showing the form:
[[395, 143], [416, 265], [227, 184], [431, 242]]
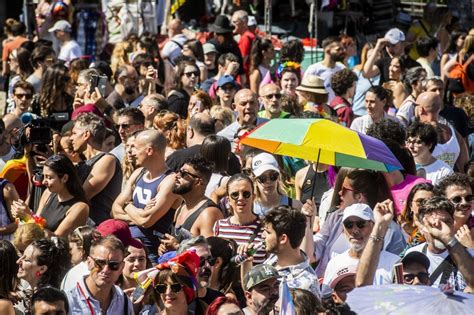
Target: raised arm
[[383, 214], [370, 69]]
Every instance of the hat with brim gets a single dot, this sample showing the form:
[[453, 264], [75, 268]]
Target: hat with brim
[[221, 25], [312, 84]]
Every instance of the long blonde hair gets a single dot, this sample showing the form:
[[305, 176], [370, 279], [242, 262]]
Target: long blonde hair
[[120, 55]]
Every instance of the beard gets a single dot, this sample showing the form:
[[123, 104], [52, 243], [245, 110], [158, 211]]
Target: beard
[[182, 189], [204, 277], [337, 57], [130, 90]]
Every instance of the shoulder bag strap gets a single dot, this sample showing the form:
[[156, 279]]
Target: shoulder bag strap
[[446, 267]]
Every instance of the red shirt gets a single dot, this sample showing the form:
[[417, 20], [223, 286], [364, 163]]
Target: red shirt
[[11, 46], [245, 44], [343, 110]]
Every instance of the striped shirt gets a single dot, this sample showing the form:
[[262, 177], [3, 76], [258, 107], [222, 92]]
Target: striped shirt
[[241, 234]]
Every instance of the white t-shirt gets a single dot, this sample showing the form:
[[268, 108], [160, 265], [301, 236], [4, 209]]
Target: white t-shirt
[[74, 275], [70, 51], [435, 259], [407, 112], [383, 274], [325, 73], [7, 157], [362, 123], [436, 171]]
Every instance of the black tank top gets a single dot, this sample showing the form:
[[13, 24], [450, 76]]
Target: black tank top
[[55, 211], [189, 222], [321, 185]]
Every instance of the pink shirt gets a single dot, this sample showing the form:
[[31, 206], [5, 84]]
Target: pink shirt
[[400, 191]]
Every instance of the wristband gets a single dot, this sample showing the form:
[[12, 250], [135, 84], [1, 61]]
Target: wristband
[[376, 238], [452, 243]]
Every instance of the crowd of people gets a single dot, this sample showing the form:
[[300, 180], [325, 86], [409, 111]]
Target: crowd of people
[[126, 188]]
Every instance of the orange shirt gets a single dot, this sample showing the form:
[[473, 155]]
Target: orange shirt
[[11, 46]]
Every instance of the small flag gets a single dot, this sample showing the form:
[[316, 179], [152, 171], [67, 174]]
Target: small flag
[[286, 301]]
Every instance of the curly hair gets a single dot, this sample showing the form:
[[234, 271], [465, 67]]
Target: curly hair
[[342, 81], [434, 204], [388, 129], [426, 132], [456, 179], [54, 254], [175, 125], [292, 50]]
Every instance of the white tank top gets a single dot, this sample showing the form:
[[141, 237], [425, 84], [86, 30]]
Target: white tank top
[[449, 151]]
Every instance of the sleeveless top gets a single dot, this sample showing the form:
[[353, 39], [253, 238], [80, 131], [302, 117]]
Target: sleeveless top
[[145, 190], [4, 216], [55, 211], [101, 204], [189, 222], [449, 151], [321, 185]]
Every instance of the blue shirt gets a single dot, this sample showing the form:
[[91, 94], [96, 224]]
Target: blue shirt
[[363, 85]]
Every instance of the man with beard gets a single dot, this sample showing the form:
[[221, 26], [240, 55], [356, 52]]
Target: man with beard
[[198, 213], [129, 121], [97, 292], [125, 93], [246, 106], [261, 289], [450, 262], [147, 202], [334, 54], [358, 221], [270, 96], [101, 173], [205, 295]]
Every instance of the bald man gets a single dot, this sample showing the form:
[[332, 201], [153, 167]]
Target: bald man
[[270, 96], [451, 147], [173, 47], [246, 105], [147, 202]]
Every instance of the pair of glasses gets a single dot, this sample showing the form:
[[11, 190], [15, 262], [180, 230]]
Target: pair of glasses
[[458, 199], [101, 263], [175, 287], [190, 74], [211, 260], [350, 224], [423, 277], [236, 194], [124, 126], [24, 95], [271, 96], [345, 189], [414, 142], [184, 173], [272, 177]]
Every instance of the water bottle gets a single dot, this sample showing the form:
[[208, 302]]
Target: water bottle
[[239, 259]]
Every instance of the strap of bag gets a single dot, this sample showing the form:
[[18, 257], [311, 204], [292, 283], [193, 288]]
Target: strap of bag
[[446, 267]]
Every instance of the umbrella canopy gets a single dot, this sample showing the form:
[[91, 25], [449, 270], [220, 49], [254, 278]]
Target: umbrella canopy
[[408, 299], [324, 141]]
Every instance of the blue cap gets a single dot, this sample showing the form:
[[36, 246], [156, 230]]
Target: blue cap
[[166, 256], [226, 80]]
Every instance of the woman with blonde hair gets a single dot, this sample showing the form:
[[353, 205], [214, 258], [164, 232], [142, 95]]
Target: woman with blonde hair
[[120, 55], [223, 117], [173, 128]]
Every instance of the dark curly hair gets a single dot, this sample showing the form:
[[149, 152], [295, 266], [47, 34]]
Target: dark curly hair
[[292, 50], [426, 132], [434, 204], [455, 179], [388, 129], [53, 254], [343, 80]]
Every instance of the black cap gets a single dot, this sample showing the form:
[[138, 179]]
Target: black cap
[[416, 257]]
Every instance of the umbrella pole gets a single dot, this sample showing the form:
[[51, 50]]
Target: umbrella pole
[[313, 189]]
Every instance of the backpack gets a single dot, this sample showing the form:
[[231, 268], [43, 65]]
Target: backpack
[[459, 80]]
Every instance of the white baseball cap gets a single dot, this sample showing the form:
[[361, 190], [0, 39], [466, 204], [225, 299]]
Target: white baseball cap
[[252, 21], [61, 25], [360, 210], [341, 273], [263, 162], [209, 48], [394, 36]]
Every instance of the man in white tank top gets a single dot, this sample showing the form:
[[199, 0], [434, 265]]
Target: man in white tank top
[[451, 147]]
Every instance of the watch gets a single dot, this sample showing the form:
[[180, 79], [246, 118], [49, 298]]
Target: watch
[[452, 243]]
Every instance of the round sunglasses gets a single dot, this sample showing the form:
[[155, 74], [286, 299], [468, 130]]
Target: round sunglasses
[[175, 287], [235, 195], [272, 177]]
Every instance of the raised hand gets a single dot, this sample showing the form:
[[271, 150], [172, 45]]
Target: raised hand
[[465, 236]]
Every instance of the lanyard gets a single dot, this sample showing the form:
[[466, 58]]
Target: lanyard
[[87, 300]]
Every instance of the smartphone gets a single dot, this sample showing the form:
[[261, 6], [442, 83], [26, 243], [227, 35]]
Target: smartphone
[[100, 82], [93, 83]]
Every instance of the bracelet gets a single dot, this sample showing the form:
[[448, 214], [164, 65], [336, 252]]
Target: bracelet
[[376, 238], [452, 243]]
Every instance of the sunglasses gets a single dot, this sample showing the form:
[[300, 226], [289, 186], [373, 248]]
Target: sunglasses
[[345, 189], [184, 173], [124, 126], [235, 195], [26, 95], [458, 199], [190, 74], [350, 224], [210, 260], [423, 277], [175, 287], [101, 263], [271, 96], [272, 177]]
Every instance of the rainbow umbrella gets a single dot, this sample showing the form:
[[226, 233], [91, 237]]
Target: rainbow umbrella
[[323, 141]]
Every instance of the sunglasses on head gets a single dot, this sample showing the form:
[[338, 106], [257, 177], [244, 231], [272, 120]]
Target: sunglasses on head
[[235, 195], [423, 277], [210, 260], [190, 74], [458, 199], [175, 287], [350, 224], [272, 177], [101, 263]]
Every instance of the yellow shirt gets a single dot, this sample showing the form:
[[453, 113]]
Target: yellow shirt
[[418, 31]]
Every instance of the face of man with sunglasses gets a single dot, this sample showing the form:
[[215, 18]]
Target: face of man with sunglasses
[[105, 266], [22, 98], [357, 232], [461, 197], [270, 97]]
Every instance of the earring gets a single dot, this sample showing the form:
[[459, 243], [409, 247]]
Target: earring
[[38, 274]]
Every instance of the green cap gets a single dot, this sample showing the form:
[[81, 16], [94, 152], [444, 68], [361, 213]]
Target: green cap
[[259, 274]]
